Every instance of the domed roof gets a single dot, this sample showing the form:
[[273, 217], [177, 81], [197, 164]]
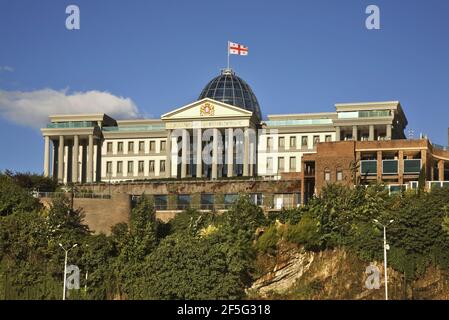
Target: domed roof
[[231, 89]]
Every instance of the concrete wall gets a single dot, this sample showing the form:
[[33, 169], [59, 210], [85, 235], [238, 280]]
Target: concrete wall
[[102, 214], [198, 186]]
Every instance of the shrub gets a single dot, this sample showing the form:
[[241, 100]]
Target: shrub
[[306, 232], [268, 240]]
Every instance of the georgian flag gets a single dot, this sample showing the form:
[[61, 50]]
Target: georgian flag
[[235, 48]]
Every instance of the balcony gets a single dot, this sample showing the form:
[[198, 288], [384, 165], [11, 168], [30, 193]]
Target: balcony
[[135, 128], [71, 125], [368, 167], [437, 184], [412, 166], [389, 167]]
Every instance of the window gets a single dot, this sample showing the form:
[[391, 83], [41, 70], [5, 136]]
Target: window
[[304, 142], [131, 146], [130, 167], [183, 201], [281, 167], [120, 167], [269, 143], [328, 138], [256, 198], [292, 142], [283, 200], [163, 144], [161, 202], [109, 167], [270, 164], [152, 146], [339, 174], [162, 166], [141, 146], [292, 164], [316, 140], [229, 199], [327, 175], [281, 142], [140, 167], [120, 147], [207, 201], [109, 147], [151, 166]]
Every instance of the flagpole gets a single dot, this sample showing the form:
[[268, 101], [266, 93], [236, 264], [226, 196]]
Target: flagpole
[[228, 55]]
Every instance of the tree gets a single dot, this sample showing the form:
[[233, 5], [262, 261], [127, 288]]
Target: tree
[[14, 198]]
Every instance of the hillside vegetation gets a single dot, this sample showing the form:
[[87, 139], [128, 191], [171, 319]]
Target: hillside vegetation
[[230, 256]]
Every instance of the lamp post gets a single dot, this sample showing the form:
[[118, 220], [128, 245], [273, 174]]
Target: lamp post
[[65, 267], [386, 247]]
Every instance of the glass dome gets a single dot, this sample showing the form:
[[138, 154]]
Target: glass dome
[[231, 89]]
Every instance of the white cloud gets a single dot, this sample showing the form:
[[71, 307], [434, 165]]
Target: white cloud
[[6, 68], [33, 108]]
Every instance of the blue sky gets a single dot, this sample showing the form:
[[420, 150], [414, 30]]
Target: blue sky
[[305, 56]]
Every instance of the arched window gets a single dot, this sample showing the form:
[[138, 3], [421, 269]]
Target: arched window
[[339, 174], [327, 175]]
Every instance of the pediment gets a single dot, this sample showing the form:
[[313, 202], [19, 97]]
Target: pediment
[[207, 109]]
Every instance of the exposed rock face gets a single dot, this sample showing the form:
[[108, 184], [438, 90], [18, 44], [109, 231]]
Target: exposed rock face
[[291, 264], [337, 274]]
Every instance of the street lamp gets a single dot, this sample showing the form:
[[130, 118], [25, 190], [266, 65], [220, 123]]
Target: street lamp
[[386, 247], [65, 266]]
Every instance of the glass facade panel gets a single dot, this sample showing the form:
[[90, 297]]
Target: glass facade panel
[[390, 166], [368, 167], [412, 166]]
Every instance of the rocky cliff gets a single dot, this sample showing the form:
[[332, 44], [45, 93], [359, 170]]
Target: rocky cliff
[[294, 273]]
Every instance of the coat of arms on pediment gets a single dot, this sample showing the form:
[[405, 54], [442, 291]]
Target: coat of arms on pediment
[[207, 109]]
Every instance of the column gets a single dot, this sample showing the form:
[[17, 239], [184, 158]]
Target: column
[[61, 160], [76, 144], [440, 170], [230, 152], [184, 153], [401, 167], [47, 157], [371, 133], [424, 164], [168, 155], [357, 174], [54, 159], [337, 133], [251, 160], [379, 166], [354, 133], [246, 153], [199, 154], [90, 159], [389, 129], [215, 154]]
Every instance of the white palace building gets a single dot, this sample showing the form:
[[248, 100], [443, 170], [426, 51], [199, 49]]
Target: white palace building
[[224, 128]]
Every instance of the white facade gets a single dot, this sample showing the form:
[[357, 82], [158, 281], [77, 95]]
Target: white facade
[[93, 148]]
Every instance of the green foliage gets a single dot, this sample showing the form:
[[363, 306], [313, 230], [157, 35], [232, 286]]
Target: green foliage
[[291, 216], [32, 181], [14, 198], [188, 267], [306, 233], [201, 255], [268, 240]]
